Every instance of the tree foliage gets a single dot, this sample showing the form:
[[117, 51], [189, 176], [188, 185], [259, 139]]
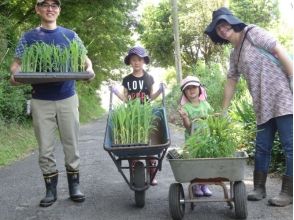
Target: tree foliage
[[264, 13], [194, 16], [156, 33]]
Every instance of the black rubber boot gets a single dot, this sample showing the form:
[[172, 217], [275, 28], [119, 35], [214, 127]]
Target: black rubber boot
[[74, 186], [286, 195], [51, 192], [259, 191]]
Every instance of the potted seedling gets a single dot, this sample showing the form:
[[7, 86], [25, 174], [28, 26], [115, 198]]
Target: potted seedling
[[132, 123], [42, 62], [214, 137]]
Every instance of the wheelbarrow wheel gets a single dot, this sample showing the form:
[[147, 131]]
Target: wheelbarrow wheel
[[176, 199], [240, 200], [139, 182]]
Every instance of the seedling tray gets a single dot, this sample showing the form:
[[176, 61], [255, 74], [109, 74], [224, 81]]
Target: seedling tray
[[47, 77]]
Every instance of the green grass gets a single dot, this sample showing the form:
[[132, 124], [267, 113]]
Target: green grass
[[90, 109], [16, 142]]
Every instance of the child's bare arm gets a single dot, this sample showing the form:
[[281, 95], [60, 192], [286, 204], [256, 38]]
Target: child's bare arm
[[157, 93], [185, 118], [117, 93]]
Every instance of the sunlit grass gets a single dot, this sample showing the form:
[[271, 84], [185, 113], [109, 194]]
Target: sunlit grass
[[16, 142]]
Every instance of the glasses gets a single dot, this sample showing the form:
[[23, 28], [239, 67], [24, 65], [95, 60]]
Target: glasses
[[224, 25], [47, 6]]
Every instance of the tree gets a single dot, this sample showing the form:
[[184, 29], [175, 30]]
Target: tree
[[156, 31], [264, 13], [194, 16]]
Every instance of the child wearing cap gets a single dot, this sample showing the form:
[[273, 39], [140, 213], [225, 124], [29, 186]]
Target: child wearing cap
[[139, 84], [193, 105]]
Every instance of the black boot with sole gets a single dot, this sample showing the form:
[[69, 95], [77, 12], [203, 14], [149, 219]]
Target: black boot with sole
[[51, 191], [74, 186]]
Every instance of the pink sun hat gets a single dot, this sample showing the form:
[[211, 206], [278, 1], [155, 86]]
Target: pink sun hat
[[192, 81]]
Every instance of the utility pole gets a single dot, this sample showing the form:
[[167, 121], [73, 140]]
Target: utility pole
[[177, 41]]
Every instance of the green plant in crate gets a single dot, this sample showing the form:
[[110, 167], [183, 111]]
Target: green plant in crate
[[132, 122], [42, 57], [214, 137]]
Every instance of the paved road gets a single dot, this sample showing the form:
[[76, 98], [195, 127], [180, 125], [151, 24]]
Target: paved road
[[108, 196]]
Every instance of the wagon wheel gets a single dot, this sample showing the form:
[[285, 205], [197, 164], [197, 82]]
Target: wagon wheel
[[240, 200], [176, 199], [139, 182]]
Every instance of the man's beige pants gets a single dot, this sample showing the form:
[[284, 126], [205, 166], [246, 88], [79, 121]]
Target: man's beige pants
[[50, 116]]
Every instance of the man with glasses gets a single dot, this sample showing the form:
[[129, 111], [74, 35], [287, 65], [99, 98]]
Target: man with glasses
[[54, 105]]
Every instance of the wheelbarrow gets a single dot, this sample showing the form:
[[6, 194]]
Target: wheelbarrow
[[211, 171], [124, 155]]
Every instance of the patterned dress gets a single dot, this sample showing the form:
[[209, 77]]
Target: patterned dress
[[267, 83]]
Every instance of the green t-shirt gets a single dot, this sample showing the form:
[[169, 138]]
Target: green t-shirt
[[201, 111]]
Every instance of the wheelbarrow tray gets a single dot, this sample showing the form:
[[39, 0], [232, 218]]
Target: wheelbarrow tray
[[48, 77], [229, 168], [159, 139]]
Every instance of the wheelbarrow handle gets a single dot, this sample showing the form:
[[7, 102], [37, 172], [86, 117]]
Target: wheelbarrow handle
[[162, 93], [111, 89], [111, 97]]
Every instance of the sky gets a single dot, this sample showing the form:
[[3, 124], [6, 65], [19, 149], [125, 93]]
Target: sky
[[287, 11]]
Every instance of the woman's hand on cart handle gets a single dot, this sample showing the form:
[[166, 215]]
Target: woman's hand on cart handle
[[162, 86]]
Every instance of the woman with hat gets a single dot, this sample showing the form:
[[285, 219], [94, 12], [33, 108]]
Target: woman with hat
[[269, 75], [193, 105]]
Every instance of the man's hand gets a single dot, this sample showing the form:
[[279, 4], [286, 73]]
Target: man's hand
[[14, 68], [12, 81], [90, 70]]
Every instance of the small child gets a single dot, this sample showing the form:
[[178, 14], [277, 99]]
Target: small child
[[193, 105], [139, 84]]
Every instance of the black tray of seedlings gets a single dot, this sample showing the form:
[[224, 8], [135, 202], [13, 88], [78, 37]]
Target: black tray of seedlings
[[47, 77]]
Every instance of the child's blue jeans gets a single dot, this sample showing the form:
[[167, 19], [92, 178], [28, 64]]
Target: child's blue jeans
[[264, 142]]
